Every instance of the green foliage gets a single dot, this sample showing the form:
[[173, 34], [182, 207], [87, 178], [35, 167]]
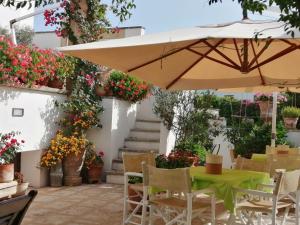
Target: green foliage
[[290, 112], [126, 87], [189, 116]]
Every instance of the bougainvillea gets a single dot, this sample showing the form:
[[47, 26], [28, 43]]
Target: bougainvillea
[[126, 87]]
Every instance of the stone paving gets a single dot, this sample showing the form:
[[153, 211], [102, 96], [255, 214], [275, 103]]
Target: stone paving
[[99, 204]]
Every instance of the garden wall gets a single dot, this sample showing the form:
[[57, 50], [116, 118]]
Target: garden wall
[[37, 125]]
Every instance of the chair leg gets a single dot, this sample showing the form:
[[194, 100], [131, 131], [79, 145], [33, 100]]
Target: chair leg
[[213, 210], [297, 208], [150, 215], [189, 209], [125, 208]]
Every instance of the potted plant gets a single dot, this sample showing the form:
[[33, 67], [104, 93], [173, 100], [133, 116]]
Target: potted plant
[[9, 147], [94, 163], [214, 162], [22, 186], [290, 116]]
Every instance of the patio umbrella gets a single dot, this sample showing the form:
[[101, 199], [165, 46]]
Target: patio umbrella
[[239, 54]]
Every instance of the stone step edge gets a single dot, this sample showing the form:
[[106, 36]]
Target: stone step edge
[[138, 150], [143, 140], [115, 172], [148, 121], [145, 130]]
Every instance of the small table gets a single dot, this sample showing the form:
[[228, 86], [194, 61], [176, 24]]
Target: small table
[[8, 189], [224, 183]]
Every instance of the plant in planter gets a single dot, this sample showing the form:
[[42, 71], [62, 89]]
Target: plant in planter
[[94, 163], [126, 87], [22, 186], [9, 147], [290, 116]]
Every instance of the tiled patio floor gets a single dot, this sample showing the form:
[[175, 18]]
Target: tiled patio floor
[[100, 204]]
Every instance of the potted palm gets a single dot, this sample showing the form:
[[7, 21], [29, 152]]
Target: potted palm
[[290, 116], [9, 147], [94, 163]]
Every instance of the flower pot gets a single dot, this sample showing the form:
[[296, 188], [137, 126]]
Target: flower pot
[[265, 109], [56, 175], [72, 165], [214, 164], [94, 173], [290, 123], [43, 81], [21, 189], [100, 91], [6, 173], [56, 83]]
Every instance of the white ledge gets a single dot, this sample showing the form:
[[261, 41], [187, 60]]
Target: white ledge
[[38, 89]]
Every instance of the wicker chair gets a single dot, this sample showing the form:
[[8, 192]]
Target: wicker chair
[[132, 163], [248, 164]]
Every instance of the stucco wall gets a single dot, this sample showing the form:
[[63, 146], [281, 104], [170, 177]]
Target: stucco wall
[[117, 120]]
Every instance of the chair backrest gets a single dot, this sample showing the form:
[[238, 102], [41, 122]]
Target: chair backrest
[[289, 182], [294, 151], [252, 165], [12, 211], [132, 162], [174, 180], [287, 162]]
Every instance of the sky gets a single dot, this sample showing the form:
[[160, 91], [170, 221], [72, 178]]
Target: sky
[[163, 15]]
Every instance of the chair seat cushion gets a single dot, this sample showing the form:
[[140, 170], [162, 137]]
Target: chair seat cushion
[[179, 203], [261, 205]]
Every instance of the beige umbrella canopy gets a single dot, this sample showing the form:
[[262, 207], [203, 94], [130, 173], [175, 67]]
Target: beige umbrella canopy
[[260, 89], [222, 56]]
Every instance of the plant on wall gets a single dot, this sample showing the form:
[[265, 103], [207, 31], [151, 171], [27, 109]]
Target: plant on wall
[[126, 87]]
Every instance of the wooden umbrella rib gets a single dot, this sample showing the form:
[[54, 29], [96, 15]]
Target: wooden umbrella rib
[[287, 42], [221, 53], [215, 60], [237, 51], [276, 56], [164, 56], [255, 59], [196, 62], [259, 70]]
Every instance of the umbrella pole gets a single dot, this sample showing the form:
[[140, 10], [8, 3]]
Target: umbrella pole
[[274, 115]]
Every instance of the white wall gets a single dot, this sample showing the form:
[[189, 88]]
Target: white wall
[[117, 120], [294, 137], [46, 40], [145, 109]]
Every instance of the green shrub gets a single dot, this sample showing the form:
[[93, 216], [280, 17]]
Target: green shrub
[[290, 112]]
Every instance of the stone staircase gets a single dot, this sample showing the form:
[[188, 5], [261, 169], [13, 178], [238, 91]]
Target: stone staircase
[[144, 137]]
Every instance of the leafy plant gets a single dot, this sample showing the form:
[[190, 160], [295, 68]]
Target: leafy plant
[[92, 158], [126, 87], [290, 112]]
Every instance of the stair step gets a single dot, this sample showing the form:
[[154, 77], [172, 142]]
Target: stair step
[[141, 144], [115, 177], [145, 130], [117, 164], [148, 121], [134, 150], [142, 139], [147, 125]]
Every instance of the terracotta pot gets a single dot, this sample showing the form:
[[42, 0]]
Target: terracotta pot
[[21, 189], [265, 109], [56, 83], [214, 164], [94, 174], [133, 196], [43, 82], [56, 175], [6, 173], [72, 166], [69, 85], [290, 123], [100, 91]]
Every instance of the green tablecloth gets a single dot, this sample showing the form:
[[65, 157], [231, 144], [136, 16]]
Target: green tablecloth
[[223, 184], [259, 157]]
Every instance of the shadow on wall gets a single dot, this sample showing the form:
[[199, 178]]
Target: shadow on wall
[[7, 95], [50, 115]]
